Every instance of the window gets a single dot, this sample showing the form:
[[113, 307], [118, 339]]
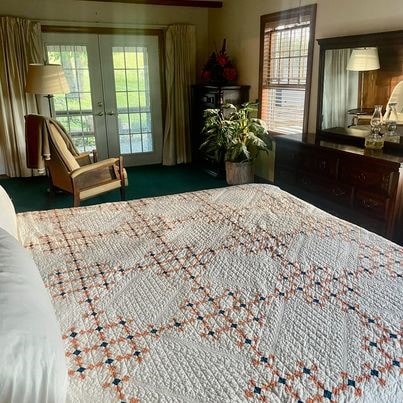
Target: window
[[130, 66], [74, 110], [285, 64]]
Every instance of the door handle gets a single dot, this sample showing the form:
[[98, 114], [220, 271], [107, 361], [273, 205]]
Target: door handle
[[110, 113], [99, 114]]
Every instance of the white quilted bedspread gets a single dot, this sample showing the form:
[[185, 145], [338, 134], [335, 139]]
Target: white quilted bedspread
[[237, 294]]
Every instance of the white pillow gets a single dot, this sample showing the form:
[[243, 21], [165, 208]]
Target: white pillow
[[32, 360], [8, 219]]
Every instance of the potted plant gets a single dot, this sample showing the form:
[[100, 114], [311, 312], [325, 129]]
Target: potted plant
[[233, 135]]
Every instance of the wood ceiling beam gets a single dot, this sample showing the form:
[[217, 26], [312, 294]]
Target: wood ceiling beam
[[182, 3]]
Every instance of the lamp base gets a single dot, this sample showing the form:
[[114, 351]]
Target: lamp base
[[49, 97]]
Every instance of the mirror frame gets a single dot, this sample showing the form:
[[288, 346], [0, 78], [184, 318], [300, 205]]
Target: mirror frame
[[355, 41]]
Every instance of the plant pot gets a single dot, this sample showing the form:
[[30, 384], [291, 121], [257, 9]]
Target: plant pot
[[238, 173]]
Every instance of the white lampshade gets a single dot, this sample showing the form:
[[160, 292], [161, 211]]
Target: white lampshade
[[363, 59], [46, 79]]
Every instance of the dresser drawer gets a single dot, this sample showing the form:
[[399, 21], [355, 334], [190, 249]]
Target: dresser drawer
[[283, 176], [335, 191], [324, 164], [287, 154], [373, 204], [367, 176]]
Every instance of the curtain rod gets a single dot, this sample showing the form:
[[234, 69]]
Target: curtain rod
[[182, 3]]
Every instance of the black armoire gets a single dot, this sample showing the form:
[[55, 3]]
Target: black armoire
[[211, 97]]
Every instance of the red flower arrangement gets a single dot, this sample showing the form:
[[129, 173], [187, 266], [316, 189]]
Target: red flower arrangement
[[219, 68]]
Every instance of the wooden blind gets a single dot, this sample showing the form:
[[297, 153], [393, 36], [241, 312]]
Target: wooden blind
[[286, 47]]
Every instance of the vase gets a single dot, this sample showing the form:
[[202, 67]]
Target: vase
[[238, 173], [390, 120], [376, 119], [374, 140]]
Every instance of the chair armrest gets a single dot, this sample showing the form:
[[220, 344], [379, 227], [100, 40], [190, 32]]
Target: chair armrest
[[93, 167], [83, 159]]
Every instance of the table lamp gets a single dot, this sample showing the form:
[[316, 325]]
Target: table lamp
[[361, 60], [46, 79]]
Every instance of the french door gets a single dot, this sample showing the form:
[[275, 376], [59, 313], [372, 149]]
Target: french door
[[114, 102]]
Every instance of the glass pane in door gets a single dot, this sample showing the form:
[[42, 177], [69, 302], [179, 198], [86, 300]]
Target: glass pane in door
[[132, 87], [74, 110]]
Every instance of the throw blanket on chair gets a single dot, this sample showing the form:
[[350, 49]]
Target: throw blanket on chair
[[37, 140]]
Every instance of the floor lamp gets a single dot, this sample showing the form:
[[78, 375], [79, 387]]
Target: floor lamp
[[361, 60], [46, 79]]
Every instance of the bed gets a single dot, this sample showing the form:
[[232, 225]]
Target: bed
[[244, 293]]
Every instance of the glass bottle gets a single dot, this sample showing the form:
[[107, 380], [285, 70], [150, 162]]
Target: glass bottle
[[390, 120], [374, 140]]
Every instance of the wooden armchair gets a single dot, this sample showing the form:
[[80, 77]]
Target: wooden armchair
[[69, 170]]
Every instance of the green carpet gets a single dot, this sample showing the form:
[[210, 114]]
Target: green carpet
[[30, 194]]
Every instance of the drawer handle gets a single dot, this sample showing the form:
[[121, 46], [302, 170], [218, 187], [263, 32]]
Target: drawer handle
[[369, 203], [362, 177], [338, 192]]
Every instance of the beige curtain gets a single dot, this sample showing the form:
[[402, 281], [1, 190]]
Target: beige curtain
[[20, 45], [180, 74], [339, 88]]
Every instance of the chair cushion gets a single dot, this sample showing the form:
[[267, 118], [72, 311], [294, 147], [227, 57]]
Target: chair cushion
[[33, 367], [64, 152]]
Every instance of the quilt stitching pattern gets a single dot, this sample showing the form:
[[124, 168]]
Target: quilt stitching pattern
[[248, 319]]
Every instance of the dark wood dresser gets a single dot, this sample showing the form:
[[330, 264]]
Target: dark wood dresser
[[358, 185]]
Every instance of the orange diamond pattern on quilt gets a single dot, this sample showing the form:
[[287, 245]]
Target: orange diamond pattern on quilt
[[237, 294]]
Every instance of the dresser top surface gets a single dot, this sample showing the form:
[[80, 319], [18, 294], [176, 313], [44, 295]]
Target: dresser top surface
[[379, 155]]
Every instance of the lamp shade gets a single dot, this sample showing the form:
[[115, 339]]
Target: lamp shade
[[363, 59], [46, 79]]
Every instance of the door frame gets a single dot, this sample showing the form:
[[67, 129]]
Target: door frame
[[95, 75], [160, 33], [106, 45]]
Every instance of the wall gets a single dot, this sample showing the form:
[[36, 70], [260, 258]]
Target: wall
[[71, 12], [68, 12], [239, 22]]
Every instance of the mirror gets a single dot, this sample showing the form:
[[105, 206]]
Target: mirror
[[349, 91]]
